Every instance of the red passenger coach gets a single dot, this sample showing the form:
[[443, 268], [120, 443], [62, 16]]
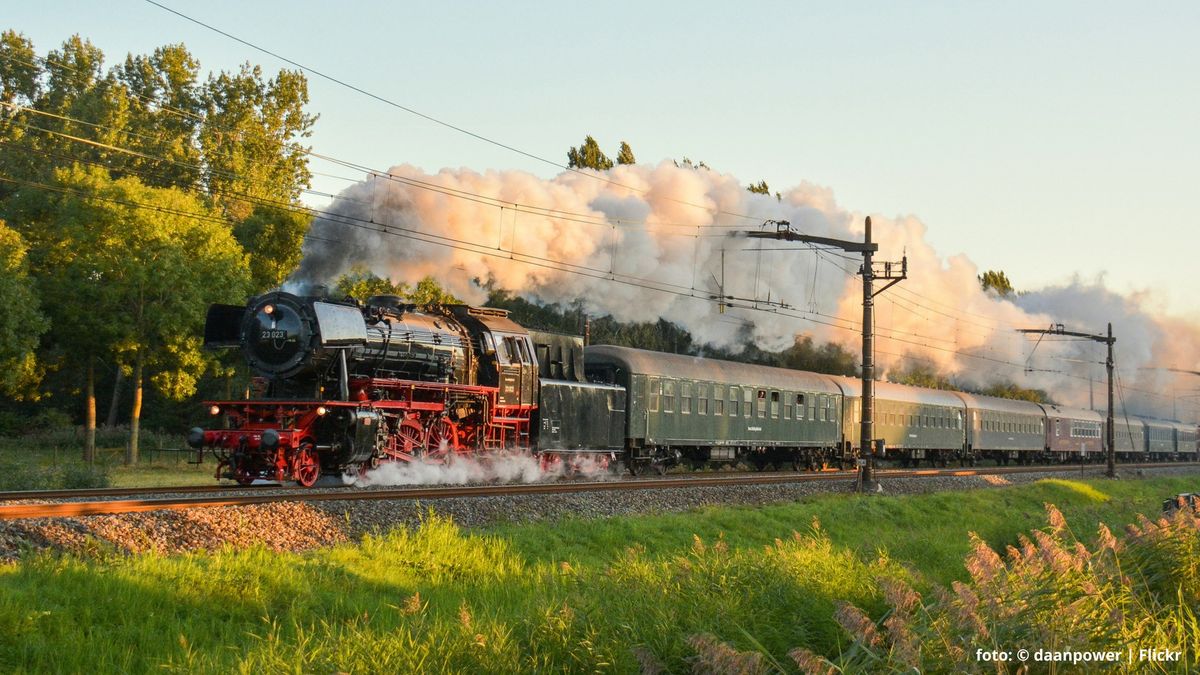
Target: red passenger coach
[[1073, 434]]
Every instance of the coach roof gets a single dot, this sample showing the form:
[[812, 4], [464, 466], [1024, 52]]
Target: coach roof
[[657, 364]]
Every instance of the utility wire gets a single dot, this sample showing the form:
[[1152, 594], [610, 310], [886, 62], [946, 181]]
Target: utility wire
[[430, 118]]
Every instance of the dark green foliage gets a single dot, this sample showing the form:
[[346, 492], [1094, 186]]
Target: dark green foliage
[[760, 188], [360, 283], [21, 321], [542, 317], [250, 139], [22, 421], [686, 163], [133, 180], [625, 155], [1011, 390], [992, 280], [274, 238], [18, 70], [918, 374], [664, 336], [589, 156]]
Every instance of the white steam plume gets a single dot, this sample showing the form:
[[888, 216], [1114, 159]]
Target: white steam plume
[[618, 244], [500, 468]]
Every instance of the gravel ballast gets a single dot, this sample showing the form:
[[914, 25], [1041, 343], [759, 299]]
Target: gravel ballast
[[298, 526]]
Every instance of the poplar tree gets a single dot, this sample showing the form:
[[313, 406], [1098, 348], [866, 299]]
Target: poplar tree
[[625, 155], [993, 280], [588, 156]]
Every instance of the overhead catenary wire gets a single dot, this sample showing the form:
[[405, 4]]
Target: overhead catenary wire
[[833, 322], [430, 118]]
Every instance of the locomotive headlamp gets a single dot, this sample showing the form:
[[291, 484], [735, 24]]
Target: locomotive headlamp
[[321, 410], [214, 410], [268, 309]]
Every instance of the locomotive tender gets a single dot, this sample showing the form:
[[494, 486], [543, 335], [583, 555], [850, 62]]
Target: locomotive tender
[[345, 386]]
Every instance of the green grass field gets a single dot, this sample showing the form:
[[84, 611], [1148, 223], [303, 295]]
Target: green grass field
[[54, 459], [577, 595]]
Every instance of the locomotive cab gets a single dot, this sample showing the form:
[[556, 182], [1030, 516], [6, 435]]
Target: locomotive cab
[[506, 354]]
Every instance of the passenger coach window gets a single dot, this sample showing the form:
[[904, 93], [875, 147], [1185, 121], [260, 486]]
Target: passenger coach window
[[685, 398], [668, 397], [762, 404], [655, 392], [702, 400], [799, 406], [774, 405], [734, 397], [746, 394]]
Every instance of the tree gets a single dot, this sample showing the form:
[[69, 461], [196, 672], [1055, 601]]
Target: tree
[[250, 139], [19, 72], [996, 281], [588, 156], [1011, 390], [759, 188], [920, 375], [274, 238], [430, 292], [686, 163], [625, 154], [360, 283], [165, 109], [232, 142], [148, 262], [21, 321]]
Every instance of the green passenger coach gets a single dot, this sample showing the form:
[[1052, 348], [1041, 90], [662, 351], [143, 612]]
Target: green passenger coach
[[685, 408]]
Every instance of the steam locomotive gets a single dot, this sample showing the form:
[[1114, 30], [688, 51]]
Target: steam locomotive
[[345, 386]]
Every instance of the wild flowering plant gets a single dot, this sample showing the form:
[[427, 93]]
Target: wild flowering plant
[[1050, 591]]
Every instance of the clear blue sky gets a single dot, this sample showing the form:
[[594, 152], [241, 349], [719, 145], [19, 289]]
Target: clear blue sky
[[1045, 139]]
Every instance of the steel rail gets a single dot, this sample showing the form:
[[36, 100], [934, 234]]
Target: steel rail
[[127, 491], [72, 509]]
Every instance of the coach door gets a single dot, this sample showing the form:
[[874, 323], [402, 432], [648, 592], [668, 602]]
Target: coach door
[[518, 373]]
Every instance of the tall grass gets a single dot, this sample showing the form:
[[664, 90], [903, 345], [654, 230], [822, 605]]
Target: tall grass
[[1048, 591], [721, 590]]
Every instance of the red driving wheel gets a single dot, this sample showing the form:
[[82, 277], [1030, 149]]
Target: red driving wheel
[[306, 465]]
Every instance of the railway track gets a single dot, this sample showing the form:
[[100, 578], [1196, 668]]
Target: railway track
[[266, 494], [125, 492]]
